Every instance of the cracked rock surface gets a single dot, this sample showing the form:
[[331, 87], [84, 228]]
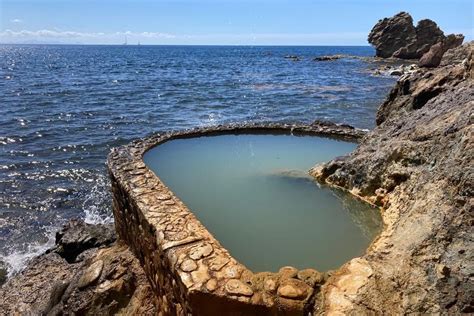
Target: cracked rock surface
[[417, 165]]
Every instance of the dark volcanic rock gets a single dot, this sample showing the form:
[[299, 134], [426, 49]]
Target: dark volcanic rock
[[76, 237], [328, 58], [323, 123], [3, 272], [398, 37], [417, 165]]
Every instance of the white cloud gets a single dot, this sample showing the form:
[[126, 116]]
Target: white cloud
[[16, 21], [72, 37], [23, 36]]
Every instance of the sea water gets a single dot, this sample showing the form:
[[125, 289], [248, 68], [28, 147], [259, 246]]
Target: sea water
[[254, 194], [65, 106]]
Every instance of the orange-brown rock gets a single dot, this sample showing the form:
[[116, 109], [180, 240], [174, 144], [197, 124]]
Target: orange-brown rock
[[418, 163]]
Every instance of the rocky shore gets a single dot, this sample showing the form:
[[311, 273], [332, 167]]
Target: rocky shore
[[416, 165], [88, 272]]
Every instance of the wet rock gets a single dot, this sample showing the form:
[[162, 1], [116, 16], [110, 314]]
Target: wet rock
[[76, 237], [291, 175], [292, 57], [328, 58], [237, 287], [398, 37], [330, 124], [107, 281], [396, 72], [3, 272]]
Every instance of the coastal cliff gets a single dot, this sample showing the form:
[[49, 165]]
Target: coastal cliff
[[417, 166]]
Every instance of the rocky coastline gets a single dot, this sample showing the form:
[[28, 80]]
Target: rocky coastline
[[416, 165]]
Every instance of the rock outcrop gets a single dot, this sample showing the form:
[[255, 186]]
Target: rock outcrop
[[433, 57], [398, 37], [84, 274], [417, 165]]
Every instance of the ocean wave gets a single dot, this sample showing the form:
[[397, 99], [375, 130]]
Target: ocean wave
[[17, 259]]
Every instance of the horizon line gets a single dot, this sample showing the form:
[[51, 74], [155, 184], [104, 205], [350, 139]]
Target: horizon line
[[135, 45]]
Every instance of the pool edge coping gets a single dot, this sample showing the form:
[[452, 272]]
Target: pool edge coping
[[156, 223]]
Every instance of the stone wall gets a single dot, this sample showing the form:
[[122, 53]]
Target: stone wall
[[190, 272]]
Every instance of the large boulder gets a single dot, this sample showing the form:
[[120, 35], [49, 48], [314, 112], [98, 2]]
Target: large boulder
[[398, 37], [433, 57], [391, 34]]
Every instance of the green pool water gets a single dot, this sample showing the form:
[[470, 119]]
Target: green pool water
[[252, 192]]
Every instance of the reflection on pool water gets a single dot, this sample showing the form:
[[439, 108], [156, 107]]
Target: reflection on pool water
[[252, 192]]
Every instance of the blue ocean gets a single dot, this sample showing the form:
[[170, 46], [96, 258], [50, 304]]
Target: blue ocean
[[63, 107]]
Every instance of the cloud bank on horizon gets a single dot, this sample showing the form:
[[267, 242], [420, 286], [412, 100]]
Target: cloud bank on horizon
[[231, 22], [72, 37]]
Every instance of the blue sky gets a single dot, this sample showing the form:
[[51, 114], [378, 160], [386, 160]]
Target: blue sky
[[226, 22]]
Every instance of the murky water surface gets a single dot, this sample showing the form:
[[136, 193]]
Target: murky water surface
[[254, 195]]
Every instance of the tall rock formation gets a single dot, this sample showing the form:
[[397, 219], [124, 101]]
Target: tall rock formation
[[398, 37]]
